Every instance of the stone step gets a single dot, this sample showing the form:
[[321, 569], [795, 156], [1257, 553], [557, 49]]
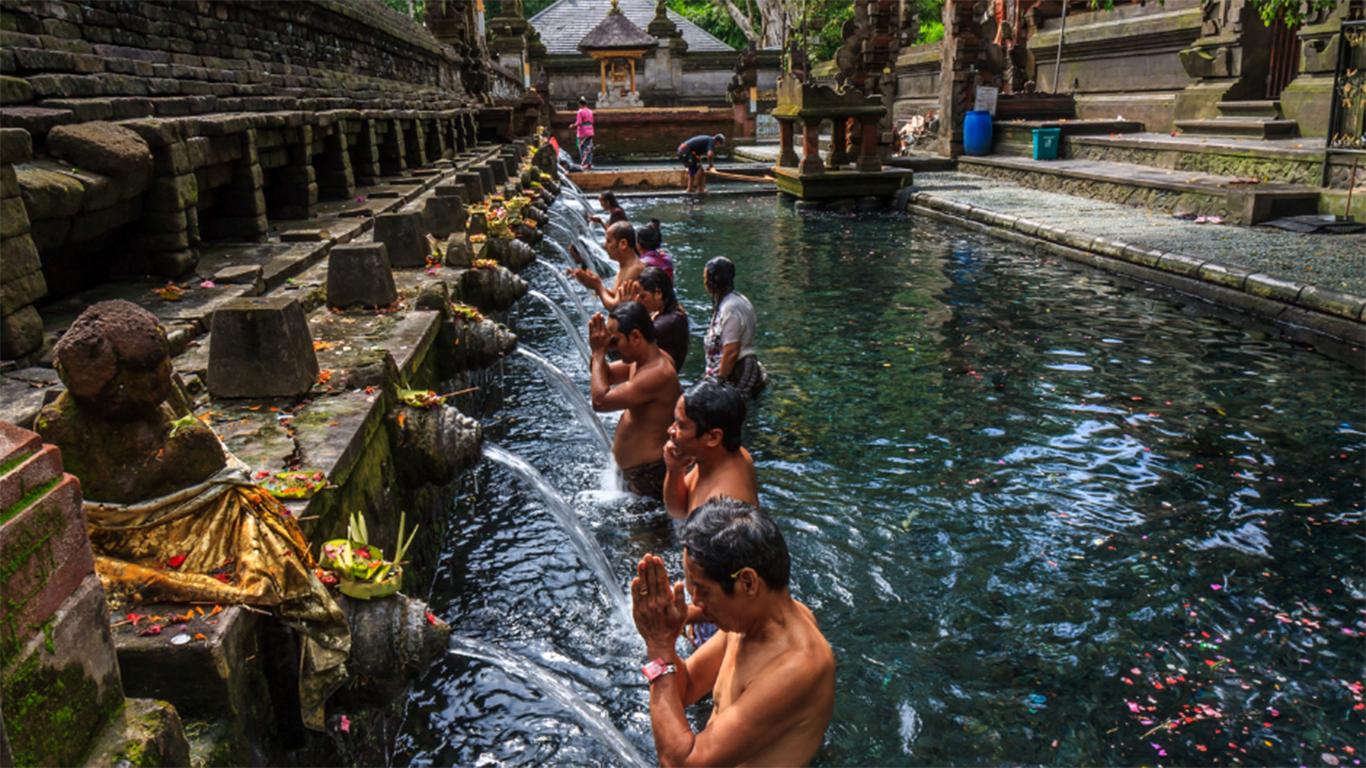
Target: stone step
[[25, 473], [1256, 127], [1016, 137], [1169, 190], [1268, 108], [16, 443], [145, 732], [1289, 161]]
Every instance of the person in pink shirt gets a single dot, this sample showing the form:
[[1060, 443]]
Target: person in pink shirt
[[583, 125]]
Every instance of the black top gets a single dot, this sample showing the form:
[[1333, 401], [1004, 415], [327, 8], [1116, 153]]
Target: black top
[[698, 145], [671, 334]]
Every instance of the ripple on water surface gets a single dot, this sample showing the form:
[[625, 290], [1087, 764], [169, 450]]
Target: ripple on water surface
[[1042, 518]]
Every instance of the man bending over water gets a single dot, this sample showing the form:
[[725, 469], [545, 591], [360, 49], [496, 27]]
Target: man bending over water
[[644, 384], [769, 670], [704, 456]]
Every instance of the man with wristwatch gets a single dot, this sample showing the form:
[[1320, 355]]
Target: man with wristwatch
[[769, 670]]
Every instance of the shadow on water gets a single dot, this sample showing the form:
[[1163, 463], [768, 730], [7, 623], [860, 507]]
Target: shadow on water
[[1041, 517]]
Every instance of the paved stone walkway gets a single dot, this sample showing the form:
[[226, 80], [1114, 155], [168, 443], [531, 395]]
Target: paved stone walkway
[[1336, 262]]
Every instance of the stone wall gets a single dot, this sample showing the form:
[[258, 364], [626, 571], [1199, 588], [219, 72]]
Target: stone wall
[[646, 132], [917, 82], [1120, 62], [142, 128], [705, 78]]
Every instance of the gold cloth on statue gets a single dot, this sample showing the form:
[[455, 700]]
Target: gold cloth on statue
[[238, 530]]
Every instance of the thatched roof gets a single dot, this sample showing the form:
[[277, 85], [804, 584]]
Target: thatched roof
[[614, 33]]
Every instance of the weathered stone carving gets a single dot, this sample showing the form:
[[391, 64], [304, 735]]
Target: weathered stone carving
[[122, 424]]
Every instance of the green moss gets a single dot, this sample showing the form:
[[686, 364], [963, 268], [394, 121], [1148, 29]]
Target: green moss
[[51, 712], [47, 637], [13, 462], [35, 493]]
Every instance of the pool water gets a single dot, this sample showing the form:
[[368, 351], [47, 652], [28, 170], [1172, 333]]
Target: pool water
[[1042, 517]]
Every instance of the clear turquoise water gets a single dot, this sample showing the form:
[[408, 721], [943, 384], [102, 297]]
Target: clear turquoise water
[[1042, 517]]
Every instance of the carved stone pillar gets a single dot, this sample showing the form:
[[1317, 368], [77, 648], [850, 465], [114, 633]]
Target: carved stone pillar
[[868, 157], [787, 158], [839, 142], [1229, 60], [811, 164]]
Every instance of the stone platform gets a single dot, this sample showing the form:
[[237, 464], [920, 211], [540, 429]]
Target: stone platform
[[841, 183]]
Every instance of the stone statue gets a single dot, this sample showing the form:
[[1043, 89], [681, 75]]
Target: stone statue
[[123, 424]]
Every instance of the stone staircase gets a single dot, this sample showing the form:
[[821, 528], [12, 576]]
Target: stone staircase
[[1252, 119], [59, 674]]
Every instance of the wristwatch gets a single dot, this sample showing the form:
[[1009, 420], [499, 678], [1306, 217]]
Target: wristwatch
[[656, 669]]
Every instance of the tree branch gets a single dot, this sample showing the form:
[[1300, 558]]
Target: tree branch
[[741, 19]]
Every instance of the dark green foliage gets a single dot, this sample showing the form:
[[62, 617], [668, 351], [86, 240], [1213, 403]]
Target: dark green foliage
[[711, 17]]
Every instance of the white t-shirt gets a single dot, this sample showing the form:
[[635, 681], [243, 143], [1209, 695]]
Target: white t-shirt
[[733, 321]]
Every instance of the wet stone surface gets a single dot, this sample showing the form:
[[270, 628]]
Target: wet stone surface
[[1326, 261]]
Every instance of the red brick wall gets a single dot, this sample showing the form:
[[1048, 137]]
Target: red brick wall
[[646, 132]]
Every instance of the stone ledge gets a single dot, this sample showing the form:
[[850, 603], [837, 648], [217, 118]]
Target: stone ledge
[[1333, 314]]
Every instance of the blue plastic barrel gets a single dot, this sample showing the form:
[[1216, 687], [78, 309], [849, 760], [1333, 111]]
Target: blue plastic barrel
[[977, 132]]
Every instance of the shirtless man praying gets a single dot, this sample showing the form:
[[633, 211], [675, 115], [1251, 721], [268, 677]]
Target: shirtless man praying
[[704, 456], [770, 672], [644, 384]]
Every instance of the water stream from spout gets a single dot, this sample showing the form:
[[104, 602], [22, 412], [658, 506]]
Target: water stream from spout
[[570, 328], [568, 289], [591, 717], [590, 552], [576, 400]]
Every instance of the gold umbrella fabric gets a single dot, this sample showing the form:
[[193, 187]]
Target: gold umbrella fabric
[[226, 541]]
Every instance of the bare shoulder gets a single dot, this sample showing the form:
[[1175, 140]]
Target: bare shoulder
[[810, 642]]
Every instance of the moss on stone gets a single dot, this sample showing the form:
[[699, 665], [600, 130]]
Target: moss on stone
[[50, 712], [35, 493]]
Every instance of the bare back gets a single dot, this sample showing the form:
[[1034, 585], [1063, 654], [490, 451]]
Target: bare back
[[644, 427], [802, 731]]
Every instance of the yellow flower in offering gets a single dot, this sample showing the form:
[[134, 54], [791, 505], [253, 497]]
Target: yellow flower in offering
[[484, 264]]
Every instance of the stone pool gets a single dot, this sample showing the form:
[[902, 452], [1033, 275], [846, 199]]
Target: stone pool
[[1043, 517]]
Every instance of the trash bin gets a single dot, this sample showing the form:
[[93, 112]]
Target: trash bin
[[977, 132], [1046, 141]]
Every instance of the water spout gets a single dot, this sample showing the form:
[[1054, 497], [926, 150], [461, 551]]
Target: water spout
[[591, 717], [576, 400], [590, 552], [570, 328]]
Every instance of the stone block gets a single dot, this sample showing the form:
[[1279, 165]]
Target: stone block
[[16, 145], [21, 333], [403, 238], [48, 194], [17, 443], [18, 257], [15, 90], [443, 215], [360, 274], [45, 552], [145, 732], [23, 290], [452, 190], [219, 677], [474, 185], [28, 470], [261, 347], [36, 120], [102, 147], [63, 685], [243, 274], [174, 193], [14, 217]]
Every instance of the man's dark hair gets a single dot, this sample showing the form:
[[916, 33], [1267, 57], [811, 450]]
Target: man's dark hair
[[608, 200], [632, 316], [720, 275], [725, 535], [623, 230], [583, 101], [654, 279], [649, 236], [719, 138], [713, 404]]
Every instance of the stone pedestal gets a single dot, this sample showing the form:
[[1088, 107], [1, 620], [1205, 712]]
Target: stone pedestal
[[261, 347], [811, 164], [443, 215], [403, 238], [474, 185], [360, 274]]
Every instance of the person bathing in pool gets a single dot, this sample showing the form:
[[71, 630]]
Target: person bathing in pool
[[643, 383]]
